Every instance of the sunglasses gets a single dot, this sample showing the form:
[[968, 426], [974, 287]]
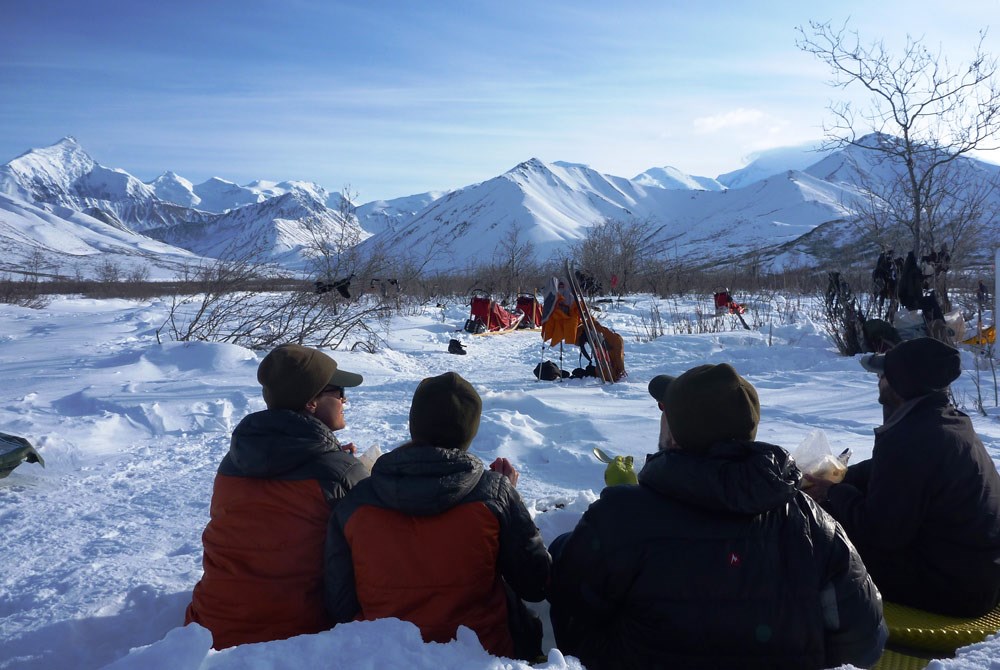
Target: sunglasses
[[337, 391]]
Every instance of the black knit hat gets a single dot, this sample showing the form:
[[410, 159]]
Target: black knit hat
[[445, 412], [292, 375], [916, 367], [710, 404]]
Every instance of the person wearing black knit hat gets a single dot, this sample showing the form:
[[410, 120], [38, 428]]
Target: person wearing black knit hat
[[715, 559], [436, 539], [924, 511], [273, 493]]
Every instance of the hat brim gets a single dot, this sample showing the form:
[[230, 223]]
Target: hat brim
[[345, 379], [874, 363], [658, 386]]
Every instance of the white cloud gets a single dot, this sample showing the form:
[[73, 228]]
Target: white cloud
[[735, 118]]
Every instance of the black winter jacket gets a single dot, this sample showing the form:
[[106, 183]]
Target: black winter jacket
[[714, 561], [924, 511]]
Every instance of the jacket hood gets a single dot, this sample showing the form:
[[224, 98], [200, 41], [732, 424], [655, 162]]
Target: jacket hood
[[275, 441], [738, 477], [424, 480]]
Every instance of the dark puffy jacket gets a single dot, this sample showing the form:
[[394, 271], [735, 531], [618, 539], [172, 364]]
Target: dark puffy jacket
[[263, 561], [924, 511], [434, 539], [714, 561]]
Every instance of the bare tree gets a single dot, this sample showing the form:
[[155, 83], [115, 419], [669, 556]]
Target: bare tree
[[333, 245], [926, 118], [230, 302], [615, 251], [513, 259]]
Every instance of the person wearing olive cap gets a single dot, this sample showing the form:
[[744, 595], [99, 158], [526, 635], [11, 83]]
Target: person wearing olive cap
[[273, 493], [716, 559], [434, 538], [924, 511]]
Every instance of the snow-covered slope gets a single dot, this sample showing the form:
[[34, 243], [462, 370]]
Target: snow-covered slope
[[102, 546], [279, 221], [553, 205], [381, 215], [549, 205], [764, 164], [286, 230], [785, 196], [68, 243], [171, 187], [64, 175], [672, 178]]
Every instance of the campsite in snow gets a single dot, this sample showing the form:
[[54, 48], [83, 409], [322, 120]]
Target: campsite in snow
[[102, 545], [298, 370]]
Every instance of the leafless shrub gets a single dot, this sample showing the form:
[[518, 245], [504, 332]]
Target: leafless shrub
[[653, 327], [22, 292]]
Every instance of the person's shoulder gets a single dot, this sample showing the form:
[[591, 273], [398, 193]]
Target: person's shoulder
[[614, 499], [496, 486], [336, 465]]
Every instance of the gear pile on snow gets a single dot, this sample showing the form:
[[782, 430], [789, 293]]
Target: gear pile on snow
[[566, 318]]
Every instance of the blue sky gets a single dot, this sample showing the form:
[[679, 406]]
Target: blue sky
[[396, 98]]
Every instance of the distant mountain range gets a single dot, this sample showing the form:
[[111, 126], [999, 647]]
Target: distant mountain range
[[786, 207]]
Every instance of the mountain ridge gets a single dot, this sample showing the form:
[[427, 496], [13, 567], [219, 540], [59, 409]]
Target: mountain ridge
[[761, 209]]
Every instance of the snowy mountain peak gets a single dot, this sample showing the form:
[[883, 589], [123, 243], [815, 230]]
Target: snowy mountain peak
[[669, 177], [61, 163], [171, 187], [219, 195], [769, 162], [530, 165]]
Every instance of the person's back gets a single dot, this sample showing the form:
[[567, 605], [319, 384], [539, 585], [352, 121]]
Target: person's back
[[435, 539], [924, 511], [715, 560], [947, 493], [272, 497]]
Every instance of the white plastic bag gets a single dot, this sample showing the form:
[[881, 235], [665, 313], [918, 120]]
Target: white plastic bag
[[815, 458], [370, 456]]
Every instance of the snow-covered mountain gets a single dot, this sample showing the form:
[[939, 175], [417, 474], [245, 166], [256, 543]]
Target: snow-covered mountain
[[64, 175], [290, 227], [220, 195], [788, 206], [381, 215], [548, 205], [63, 180], [553, 205], [672, 178], [770, 162], [58, 241]]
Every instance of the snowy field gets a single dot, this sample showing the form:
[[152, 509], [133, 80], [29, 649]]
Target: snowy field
[[102, 547]]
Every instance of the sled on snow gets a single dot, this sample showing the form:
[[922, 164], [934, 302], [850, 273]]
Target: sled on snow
[[917, 636], [528, 305], [488, 317], [725, 304], [15, 450]]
